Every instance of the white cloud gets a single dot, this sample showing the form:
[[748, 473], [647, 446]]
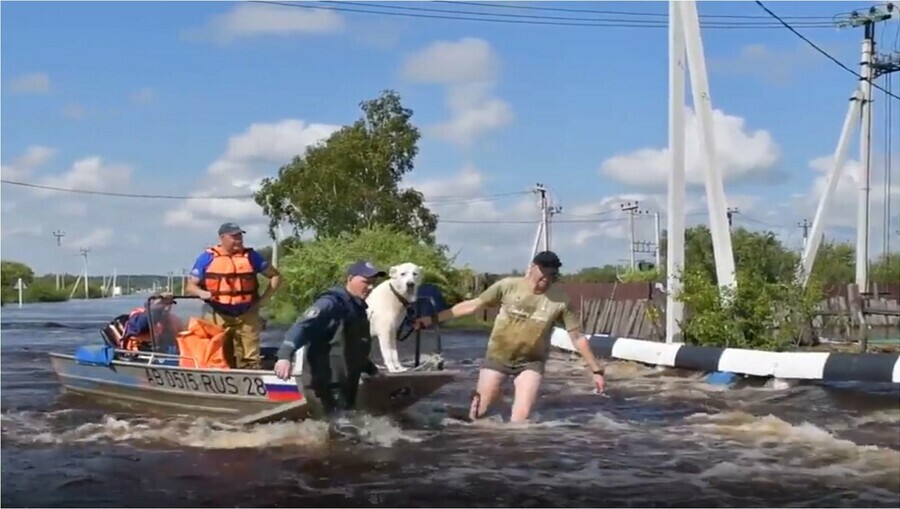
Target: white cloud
[[96, 238], [34, 156], [251, 20], [34, 83], [248, 158], [142, 96], [469, 69], [843, 209], [740, 154], [90, 174]]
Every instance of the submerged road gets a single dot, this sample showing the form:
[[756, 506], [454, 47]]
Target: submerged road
[[657, 439]]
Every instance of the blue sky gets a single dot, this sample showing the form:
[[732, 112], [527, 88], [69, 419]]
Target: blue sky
[[178, 98]]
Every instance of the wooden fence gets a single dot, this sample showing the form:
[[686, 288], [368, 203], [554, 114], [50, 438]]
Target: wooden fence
[[638, 310]]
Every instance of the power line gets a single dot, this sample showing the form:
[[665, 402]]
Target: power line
[[820, 50], [123, 195], [497, 19], [555, 18], [437, 200], [624, 13]]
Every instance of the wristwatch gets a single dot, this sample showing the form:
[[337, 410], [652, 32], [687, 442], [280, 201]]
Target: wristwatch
[[600, 372]]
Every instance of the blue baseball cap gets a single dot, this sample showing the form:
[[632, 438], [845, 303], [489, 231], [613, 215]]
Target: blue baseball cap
[[363, 268]]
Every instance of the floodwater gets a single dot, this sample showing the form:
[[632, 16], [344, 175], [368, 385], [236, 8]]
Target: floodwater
[[657, 439]]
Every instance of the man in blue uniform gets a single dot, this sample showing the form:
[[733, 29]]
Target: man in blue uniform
[[336, 330]]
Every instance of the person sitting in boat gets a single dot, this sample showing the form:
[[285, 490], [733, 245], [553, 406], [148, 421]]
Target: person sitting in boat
[[336, 330], [166, 326]]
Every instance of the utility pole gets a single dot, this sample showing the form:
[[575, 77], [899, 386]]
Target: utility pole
[[630, 208], [804, 225], [84, 254], [59, 234], [730, 212], [547, 211], [656, 238], [867, 20]]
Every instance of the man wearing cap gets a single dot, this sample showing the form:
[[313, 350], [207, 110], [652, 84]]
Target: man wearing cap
[[520, 340], [225, 276], [336, 330]]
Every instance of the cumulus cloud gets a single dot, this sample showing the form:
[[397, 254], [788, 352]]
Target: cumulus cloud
[[249, 157], [33, 83], [247, 21], [34, 156], [740, 154], [469, 70], [90, 174], [96, 238], [491, 232]]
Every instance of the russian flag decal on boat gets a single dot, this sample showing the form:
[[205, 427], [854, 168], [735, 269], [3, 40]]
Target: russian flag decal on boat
[[281, 390]]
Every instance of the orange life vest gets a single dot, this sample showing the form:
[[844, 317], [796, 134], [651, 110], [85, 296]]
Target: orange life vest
[[231, 278], [137, 341], [201, 345]]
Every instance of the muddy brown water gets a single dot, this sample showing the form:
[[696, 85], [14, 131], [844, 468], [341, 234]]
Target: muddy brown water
[[660, 438]]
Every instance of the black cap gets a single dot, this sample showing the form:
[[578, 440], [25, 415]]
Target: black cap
[[230, 229], [363, 268], [547, 260]]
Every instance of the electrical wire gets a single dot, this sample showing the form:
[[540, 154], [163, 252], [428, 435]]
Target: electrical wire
[[820, 50], [469, 16], [556, 18], [505, 5], [124, 195]]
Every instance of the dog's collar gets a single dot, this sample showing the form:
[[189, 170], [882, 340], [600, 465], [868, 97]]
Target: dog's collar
[[400, 297]]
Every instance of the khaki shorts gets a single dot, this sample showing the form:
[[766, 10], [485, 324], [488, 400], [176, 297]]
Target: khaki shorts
[[513, 369]]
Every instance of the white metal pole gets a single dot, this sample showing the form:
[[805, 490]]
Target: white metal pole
[[840, 155], [865, 153], [19, 286], [656, 237], [675, 215], [715, 190]]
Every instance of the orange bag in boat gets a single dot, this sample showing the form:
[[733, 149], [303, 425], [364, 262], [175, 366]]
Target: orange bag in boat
[[202, 341]]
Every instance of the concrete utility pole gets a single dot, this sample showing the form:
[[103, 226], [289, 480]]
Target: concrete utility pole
[[675, 215], [867, 20], [84, 254], [656, 234], [59, 234], [547, 212], [630, 208], [804, 225]]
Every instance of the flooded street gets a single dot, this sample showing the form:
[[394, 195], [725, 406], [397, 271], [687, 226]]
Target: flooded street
[[658, 439]]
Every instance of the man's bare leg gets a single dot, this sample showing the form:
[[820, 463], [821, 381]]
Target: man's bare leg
[[489, 382], [528, 383]]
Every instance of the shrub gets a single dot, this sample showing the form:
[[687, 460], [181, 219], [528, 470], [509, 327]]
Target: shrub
[[315, 266]]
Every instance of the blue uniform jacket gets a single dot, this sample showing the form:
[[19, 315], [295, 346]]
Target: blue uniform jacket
[[321, 320]]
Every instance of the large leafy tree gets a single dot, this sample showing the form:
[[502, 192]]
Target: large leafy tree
[[351, 180]]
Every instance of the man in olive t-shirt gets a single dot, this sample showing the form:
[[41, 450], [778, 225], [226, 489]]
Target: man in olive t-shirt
[[520, 340]]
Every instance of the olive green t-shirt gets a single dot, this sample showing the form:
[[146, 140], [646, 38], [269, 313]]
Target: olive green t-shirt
[[525, 322]]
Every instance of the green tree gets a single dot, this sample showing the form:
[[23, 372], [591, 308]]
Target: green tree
[[835, 264], [11, 271], [315, 266], [604, 274], [351, 181], [887, 269]]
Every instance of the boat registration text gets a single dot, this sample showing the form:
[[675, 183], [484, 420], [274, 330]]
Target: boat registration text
[[210, 383]]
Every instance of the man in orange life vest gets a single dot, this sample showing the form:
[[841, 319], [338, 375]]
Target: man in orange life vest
[[225, 276], [161, 318]]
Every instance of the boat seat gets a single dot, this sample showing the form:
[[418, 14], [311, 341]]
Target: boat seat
[[113, 332]]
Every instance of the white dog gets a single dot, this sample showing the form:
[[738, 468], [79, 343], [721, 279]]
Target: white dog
[[387, 309]]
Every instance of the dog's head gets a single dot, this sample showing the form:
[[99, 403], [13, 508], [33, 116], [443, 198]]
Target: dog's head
[[406, 278]]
